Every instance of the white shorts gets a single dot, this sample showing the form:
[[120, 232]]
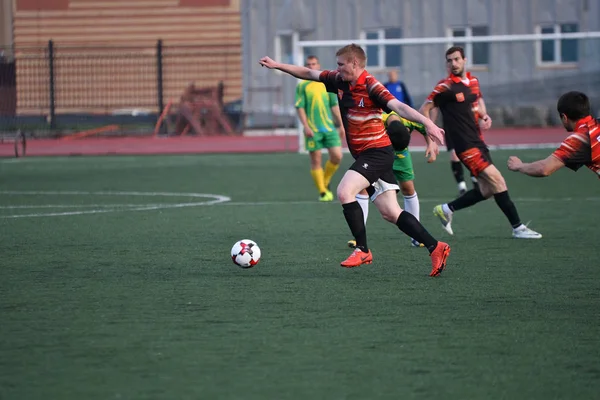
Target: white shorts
[[383, 186]]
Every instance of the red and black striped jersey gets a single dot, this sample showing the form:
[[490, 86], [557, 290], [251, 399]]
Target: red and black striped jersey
[[582, 147], [458, 101], [361, 107]]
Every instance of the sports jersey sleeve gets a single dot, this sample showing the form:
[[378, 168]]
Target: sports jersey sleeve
[[411, 125], [574, 151], [333, 99], [441, 87], [300, 96], [385, 116], [330, 79], [379, 94]]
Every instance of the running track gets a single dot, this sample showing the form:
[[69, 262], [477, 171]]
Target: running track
[[517, 137]]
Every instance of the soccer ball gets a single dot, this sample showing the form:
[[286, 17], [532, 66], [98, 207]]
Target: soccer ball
[[245, 253]]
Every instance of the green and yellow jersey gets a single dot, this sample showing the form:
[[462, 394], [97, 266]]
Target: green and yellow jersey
[[316, 102]]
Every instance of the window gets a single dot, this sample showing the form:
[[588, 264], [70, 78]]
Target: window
[[284, 47], [477, 53], [383, 56], [557, 51]]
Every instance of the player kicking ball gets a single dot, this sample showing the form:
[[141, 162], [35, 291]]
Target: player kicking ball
[[362, 99], [399, 130]]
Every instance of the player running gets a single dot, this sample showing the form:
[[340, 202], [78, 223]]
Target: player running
[[455, 96]]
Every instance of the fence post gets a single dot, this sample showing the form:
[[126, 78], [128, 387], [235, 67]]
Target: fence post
[[159, 77], [51, 84]]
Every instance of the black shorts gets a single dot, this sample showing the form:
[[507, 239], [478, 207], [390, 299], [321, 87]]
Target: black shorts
[[375, 164], [448, 140]]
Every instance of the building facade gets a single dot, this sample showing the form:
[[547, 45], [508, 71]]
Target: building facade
[[529, 74]]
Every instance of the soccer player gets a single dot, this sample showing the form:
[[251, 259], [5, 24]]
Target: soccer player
[[316, 109], [485, 122], [362, 99], [580, 148], [455, 96], [399, 130]]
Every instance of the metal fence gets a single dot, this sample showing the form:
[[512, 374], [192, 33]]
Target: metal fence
[[54, 83]]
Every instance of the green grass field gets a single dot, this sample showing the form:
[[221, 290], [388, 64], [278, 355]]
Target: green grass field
[[116, 283]]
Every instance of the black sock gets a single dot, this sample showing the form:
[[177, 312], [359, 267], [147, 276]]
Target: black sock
[[457, 171], [508, 208], [356, 223], [413, 228], [468, 199]]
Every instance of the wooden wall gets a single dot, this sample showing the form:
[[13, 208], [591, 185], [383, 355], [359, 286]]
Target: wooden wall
[[105, 50]]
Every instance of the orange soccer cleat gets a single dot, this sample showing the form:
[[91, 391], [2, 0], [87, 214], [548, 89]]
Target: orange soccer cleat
[[438, 258], [357, 258]]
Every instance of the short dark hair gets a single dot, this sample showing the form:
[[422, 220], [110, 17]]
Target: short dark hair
[[312, 57], [575, 105], [455, 49]]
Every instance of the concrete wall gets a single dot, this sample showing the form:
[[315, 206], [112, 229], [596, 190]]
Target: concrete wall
[[511, 78]]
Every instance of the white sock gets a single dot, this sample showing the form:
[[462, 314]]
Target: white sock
[[446, 209], [363, 202], [411, 204]]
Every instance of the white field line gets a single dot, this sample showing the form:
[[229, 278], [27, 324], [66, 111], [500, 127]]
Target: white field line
[[212, 200]]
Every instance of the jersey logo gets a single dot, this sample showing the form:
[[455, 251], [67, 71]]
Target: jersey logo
[[340, 93], [361, 103], [365, 165], [460, 97]]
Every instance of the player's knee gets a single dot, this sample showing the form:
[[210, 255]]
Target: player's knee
[[496, 181], [335, 157], [500, 186], [399, 135], [390, 216], [407, 188], [344, 195]]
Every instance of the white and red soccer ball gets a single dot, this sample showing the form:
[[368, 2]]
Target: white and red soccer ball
[[245, 253]]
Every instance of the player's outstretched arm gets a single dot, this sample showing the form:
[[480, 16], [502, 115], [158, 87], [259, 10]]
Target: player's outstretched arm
[[294, 70], [538, 169], [435, 132]]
